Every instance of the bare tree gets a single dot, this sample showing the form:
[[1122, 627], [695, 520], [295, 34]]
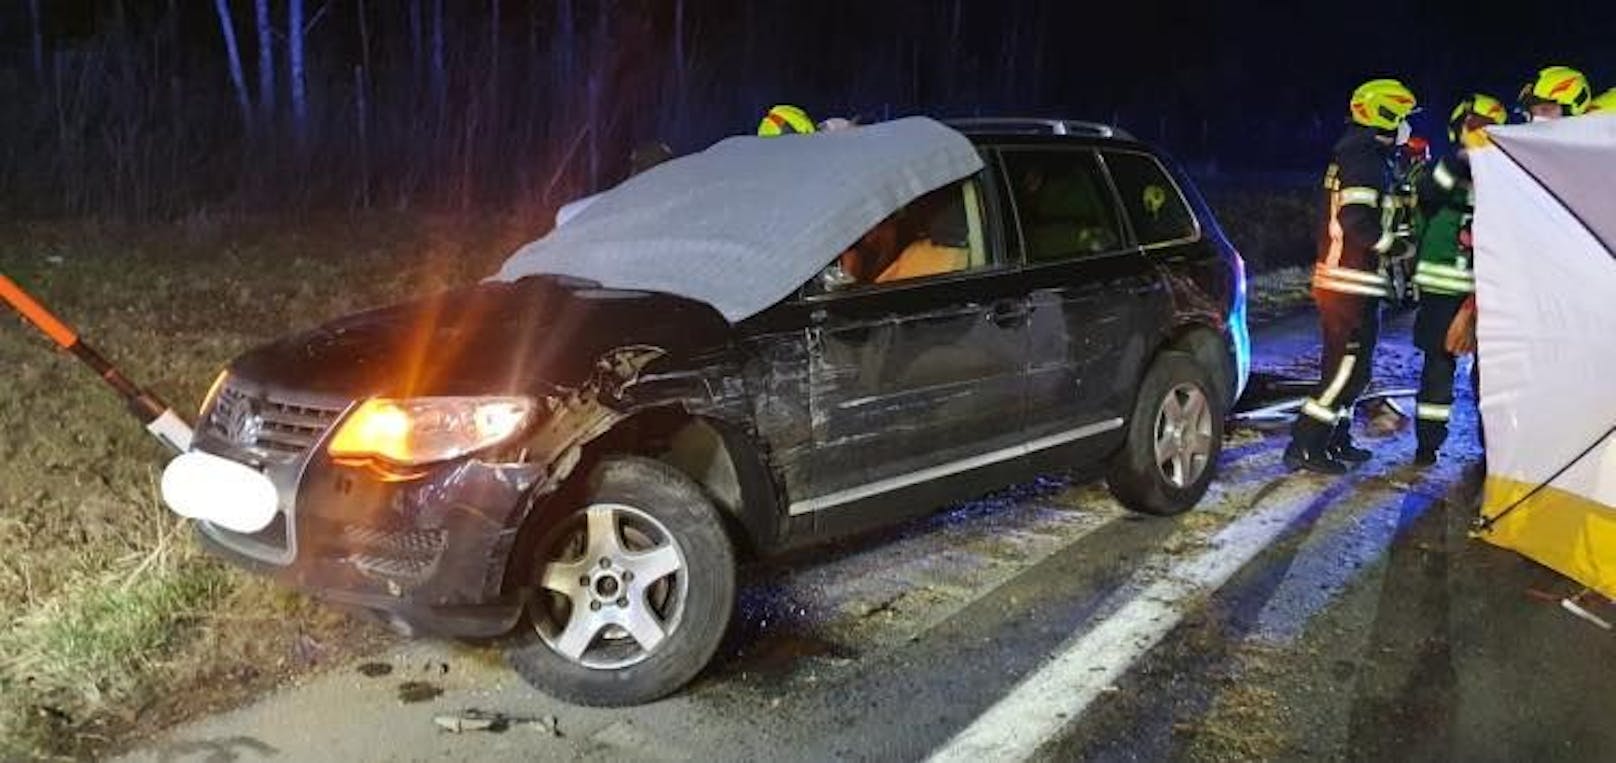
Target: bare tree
[[39, 41], [679, 63], [413, 16], [364, 36], [294, 69], [440, 77], [233, 56], [493, 67], [266, 59]]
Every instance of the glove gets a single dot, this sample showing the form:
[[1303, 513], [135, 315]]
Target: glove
[[1461, 339]]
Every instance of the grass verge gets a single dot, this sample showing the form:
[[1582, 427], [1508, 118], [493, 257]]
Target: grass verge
[[112, 622]]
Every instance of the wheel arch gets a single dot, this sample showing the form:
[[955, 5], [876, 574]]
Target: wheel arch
[[1210, 348], [717, 455]]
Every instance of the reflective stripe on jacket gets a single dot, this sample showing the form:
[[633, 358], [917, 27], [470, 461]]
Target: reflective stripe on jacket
[[1350, 237], [1448, 198]]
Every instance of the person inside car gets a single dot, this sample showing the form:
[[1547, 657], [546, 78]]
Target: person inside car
[[873, 252], [941, 244]]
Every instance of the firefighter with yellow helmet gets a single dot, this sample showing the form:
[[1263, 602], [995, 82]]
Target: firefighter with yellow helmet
[[1348, 278], [1444, 274], [785, 119], [1604, 102], [1557, 91]]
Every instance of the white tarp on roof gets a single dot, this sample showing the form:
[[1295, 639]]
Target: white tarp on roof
[[1546, 294], [743, 224]]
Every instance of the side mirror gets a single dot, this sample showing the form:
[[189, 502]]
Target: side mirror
[[834, 278]]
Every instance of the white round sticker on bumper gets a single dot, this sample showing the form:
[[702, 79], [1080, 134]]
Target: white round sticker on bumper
[[212, 489]]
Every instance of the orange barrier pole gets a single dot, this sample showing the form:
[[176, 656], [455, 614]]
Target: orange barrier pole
[[157, 416]]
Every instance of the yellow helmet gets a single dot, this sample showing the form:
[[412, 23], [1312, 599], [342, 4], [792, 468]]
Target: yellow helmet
[[1475, 104], [1605, 101], [1382, 104], [785, 119], [1558, 84]]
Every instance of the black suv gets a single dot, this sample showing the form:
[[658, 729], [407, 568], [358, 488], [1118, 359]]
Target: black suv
[[576, 468]]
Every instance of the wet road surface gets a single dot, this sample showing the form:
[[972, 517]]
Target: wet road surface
[[1287, 617]]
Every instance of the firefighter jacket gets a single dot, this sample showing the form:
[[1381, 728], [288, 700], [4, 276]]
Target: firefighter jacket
[[1448, 198], [1351, 239]]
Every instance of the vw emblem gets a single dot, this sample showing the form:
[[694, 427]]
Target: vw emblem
[[242, 423]]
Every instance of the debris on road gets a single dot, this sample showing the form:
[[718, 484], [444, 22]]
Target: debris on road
[[375, 669], [494, 722], [1578, 605], [410, 692]]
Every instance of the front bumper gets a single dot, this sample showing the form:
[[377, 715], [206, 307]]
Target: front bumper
[[428, 553]]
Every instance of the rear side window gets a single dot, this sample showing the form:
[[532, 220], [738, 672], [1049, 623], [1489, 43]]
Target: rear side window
[[1064, 203], [1154, 204]]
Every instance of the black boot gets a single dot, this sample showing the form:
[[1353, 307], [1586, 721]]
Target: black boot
[[1342, 449], [1424, 456], [1319, 460]]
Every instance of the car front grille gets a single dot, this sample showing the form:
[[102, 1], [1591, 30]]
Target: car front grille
[[268, 426]]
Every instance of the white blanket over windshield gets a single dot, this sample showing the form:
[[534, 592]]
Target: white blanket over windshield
[[745, 223]]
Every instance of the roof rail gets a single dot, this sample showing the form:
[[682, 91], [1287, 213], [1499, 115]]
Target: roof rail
[[1038, 125]]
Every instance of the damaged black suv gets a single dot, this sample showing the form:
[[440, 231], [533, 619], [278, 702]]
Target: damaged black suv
[[762, 345]]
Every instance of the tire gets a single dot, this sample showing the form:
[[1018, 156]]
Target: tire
[[584, 635], [1174, 482]]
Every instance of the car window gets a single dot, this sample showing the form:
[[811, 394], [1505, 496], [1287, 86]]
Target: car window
[[939, 233], [1064, 203], [1154, 204]]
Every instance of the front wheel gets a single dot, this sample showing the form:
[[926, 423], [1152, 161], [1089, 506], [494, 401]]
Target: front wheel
[[1174, 439], [632, 590]]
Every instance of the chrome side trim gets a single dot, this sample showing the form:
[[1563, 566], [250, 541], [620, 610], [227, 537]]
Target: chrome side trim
[[829, 500]]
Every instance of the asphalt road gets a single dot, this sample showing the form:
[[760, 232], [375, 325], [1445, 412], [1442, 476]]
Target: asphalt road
[[1288, 617]]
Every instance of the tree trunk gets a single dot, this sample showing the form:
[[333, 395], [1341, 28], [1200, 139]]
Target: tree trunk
[[294, 70], [364, 38], [233, 58], [414, 17], [37, 27], [493, 44], [362, 119], [266, 59], [568, 49], [493, 66], [440, 77], [679, 62]]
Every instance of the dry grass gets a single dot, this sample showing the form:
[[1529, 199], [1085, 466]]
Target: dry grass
[[111, 620]]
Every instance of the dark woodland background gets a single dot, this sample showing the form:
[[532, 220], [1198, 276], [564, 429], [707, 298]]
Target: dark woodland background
[[135, 109]]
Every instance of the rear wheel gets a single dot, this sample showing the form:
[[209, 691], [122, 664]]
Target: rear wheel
[[632, 590], [1174, 438]]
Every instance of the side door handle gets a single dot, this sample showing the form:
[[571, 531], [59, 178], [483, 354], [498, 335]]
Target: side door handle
[[1148, 285], [1008, 313]]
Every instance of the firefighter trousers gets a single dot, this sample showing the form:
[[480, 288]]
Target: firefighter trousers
[[1434, 402], [1350, 325]]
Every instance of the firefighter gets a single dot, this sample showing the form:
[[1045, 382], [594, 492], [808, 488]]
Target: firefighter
[[785, 119], [1558, 91], [1443, 274], [1604, 102], [1348, 278]]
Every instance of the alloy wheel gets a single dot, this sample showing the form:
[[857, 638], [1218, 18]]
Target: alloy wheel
[[612, 587], [1183, 435]]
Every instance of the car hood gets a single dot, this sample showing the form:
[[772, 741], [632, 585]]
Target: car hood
[[521, 337]]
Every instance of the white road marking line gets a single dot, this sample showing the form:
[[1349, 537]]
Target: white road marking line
[[1046, 701]]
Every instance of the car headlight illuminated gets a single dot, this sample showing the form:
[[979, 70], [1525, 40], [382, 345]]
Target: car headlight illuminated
[[424, 430]]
